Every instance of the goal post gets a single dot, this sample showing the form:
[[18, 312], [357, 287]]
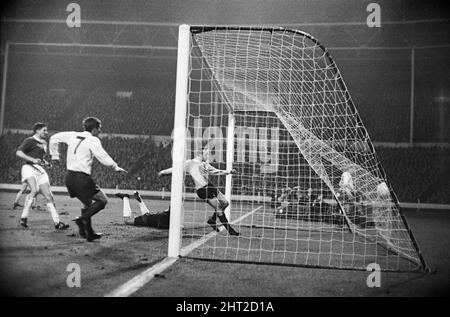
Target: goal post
[[229, 163], [179, 142], [309, 189]]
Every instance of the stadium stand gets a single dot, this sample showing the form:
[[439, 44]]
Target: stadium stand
[[414, 172], [149, 110]]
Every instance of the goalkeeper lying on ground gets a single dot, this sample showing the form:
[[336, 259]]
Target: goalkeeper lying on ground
[[158, 220]]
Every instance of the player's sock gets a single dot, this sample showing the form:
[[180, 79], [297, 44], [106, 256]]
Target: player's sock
[[26, 207], [223, 219], [51, 208], [34, 203], [126, 207], [137, 196], [16, 201], [143, 208]]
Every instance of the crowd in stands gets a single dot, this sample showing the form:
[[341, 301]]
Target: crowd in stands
[[150, 111], [418, 173], [413, 172], [144, 112], [141, 157]]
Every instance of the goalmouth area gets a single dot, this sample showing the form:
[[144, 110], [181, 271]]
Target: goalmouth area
[[34, 261]]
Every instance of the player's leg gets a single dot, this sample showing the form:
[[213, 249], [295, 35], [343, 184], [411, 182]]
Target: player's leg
[[126, 209], [82, 186], [22, 189], [212, 221], [34, 203], [34, 189], [45, 190], [143, 208], [219, 203], [98, 203]]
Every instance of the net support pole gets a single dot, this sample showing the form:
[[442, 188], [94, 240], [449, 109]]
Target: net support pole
[[179, 142], [229, 165], [5, 75], [411, 100]]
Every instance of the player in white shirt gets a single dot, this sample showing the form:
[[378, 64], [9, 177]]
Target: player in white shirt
[[200, 169], [82, 147]]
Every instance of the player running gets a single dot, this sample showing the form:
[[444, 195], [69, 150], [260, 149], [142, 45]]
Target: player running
[[158, 220], [200, 169], [82, 147], [32, 151]]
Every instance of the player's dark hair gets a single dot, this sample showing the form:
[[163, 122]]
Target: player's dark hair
[[91, 123], [38, 126]]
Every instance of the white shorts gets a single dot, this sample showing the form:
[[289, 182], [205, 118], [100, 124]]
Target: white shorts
[[35, 171]]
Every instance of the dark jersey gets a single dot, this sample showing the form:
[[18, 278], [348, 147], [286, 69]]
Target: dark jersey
[[160, 220], [34, 148]]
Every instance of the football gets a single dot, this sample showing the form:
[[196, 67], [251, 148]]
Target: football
[[382, 189]]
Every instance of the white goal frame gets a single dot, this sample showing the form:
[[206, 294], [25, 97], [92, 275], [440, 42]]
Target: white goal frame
[[179, 147]]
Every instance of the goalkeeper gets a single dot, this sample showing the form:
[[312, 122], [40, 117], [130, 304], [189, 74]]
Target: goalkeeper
[[200, 169], [158, 220]]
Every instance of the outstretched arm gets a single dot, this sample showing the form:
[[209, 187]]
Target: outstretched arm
[[165, 172], [103, 157], [214, 171]]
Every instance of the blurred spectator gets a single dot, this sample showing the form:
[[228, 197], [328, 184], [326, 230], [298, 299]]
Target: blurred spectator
[[411, 171]]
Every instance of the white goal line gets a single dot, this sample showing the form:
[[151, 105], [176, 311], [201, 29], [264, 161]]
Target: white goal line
[[133, 285]]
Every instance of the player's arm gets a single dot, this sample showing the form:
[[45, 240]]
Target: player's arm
[[55, 140], [23, 149], [168, 171], [103, 157], [27, 158], [214, 171], [165, 172]]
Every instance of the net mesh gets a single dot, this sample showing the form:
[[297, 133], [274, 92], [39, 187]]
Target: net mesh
[[309, 188]]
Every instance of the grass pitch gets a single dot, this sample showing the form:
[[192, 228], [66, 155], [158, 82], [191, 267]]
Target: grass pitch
[[33, 261]]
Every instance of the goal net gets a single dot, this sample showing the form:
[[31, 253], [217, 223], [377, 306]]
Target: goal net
[[309, 188]]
